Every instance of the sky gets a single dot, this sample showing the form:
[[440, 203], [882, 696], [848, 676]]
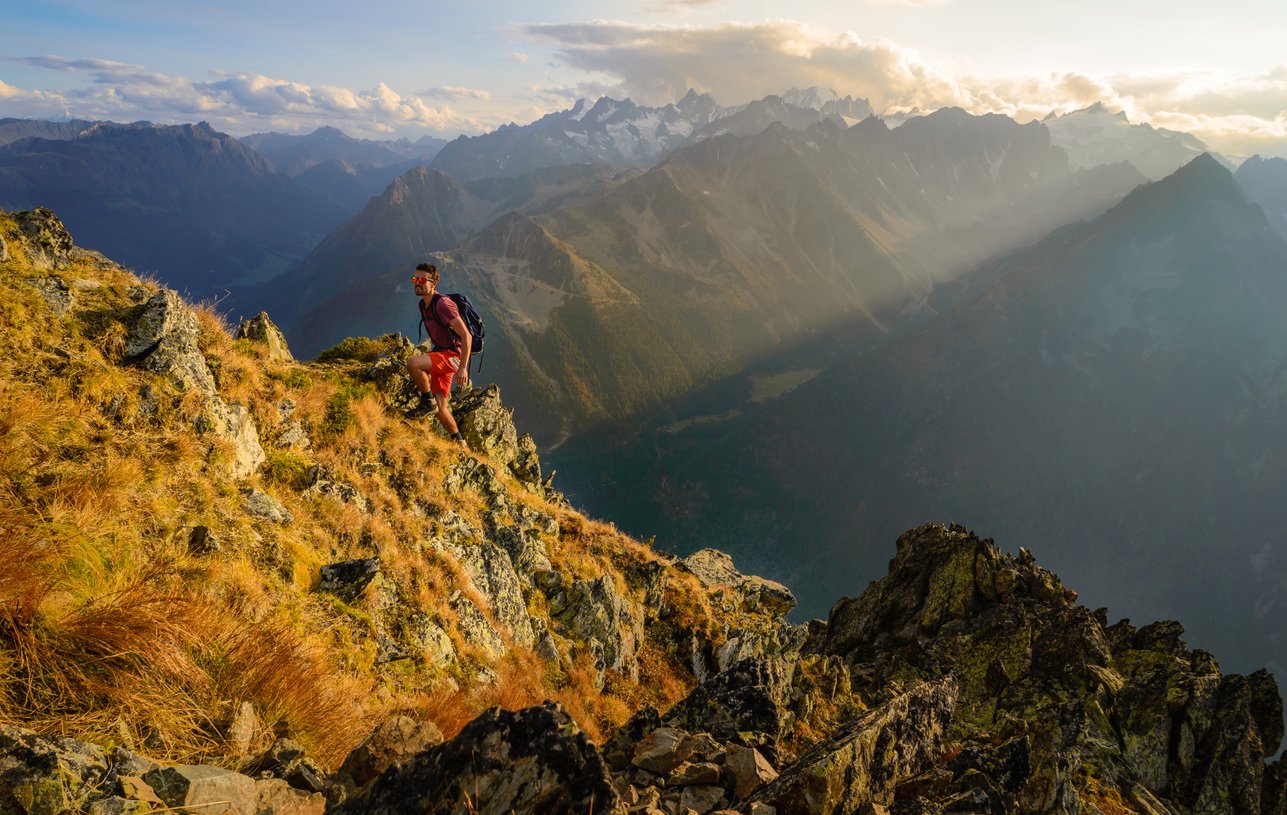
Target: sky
[[399, 68]]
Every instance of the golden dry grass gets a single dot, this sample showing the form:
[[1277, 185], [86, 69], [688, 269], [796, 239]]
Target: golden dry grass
[[110, 629]]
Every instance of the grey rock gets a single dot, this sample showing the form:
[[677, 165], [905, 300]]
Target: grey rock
[[535, 760], [202, 541], [474, 626], [260, 504], [45, 240], [338, 490], [273, 796], [857, 766], [715, 570], [115, 805], [45, 775], [349, 579], [261, 329], [395, 741], [702, 799], [286, 760], [55, 292], [212, 789], [595, 612], [425, 636], [234, 424], [689, 773], [294, 437], [748, 698], [242, 728], [524, 547], [492, 574], [750, 769], [661, 751], [165, 339]]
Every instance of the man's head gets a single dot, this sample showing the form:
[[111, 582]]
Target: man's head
[[425, 279]]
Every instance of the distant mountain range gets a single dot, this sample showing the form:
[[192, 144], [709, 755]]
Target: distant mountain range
[[1115, 402], [1264, 180], [1097, 135], [623, 134], [192, 206], [729, 248], [356, 282], [293, 154]]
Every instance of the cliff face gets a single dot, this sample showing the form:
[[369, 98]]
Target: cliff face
[[225, 568]]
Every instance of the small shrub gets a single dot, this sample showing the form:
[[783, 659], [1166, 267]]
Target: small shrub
[[285, 467], [358, 349]]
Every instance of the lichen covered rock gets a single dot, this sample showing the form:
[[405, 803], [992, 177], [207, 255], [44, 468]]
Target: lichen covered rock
[[534, 760]]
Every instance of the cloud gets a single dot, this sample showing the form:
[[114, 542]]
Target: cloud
[[446, 92], [519, 56], [736, 63], [739, 62], [908, 3], [236, 102]]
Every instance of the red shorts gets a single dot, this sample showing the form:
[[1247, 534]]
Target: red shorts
[[442, 369]]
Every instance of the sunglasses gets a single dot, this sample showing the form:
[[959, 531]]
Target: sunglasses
[[420, 280]]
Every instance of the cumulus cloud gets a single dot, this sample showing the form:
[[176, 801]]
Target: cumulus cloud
[[237, 102], [447, 92], [738, 62], [735, 63]]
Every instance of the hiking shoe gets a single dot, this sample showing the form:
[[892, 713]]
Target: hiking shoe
[[427, 406]]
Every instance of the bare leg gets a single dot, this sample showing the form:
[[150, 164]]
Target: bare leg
[[444, 414], [418, 369]]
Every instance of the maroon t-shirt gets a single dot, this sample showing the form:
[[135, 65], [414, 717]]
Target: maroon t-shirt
[[442, 337]]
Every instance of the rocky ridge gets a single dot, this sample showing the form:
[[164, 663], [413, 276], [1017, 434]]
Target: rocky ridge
[[965, 681]]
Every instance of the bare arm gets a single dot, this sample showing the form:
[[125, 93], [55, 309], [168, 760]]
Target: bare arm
[[466, 346]]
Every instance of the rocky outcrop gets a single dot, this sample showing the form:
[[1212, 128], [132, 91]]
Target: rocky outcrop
[[261, 330], [43, 238], [863, 760], [165, 339], [1109, 712], [43, 775], [394, 742], [715, 570], [534, 760]]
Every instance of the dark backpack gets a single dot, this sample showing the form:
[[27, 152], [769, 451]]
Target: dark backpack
[[473, 320]]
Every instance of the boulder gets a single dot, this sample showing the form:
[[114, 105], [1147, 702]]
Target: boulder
[[165, 339], [492, 574], [748, 698], [47, 775], [209, 789], [349, 579], [260, 504], [661, 751], [715, 570], [286, 760], [749, 769], [274, 796], [395, 741], [234, 424], [260, 329], [594, 611], [863, 760], [534, 760], [202, 541], [47, 242], [55, 292], [474, 626]]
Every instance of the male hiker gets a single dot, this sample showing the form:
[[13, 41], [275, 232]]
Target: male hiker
[[448, 356]]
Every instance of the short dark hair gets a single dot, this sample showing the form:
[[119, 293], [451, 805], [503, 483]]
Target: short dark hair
[[430, 270]]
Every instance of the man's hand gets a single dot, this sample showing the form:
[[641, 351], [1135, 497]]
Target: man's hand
[[462, 376]]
